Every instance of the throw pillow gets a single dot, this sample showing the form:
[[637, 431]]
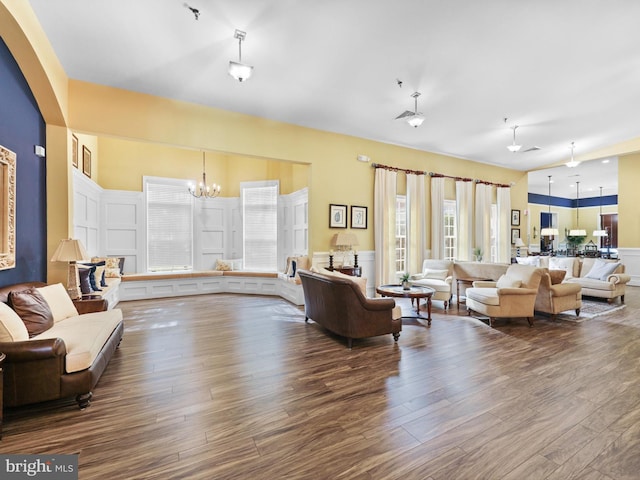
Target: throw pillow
[[565, 264], [531, 260], [223, 266], [508, 282], [95, 276], [557, 276], [292, 269], [59, 301], [361, 282], [435, 274], [84, 272], [33, 309], [12, 328], [113, 266], [601, 269]]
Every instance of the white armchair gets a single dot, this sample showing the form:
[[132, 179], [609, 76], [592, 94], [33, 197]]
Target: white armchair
[[437, 274]]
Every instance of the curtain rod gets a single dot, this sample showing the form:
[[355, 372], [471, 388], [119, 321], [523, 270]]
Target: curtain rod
[[441, 175]]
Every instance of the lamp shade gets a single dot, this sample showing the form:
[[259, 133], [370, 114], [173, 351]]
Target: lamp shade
[[347, 240], [240, 71], [578, 232], [519, 242], [600, 233], [548, 232], [69, 250]]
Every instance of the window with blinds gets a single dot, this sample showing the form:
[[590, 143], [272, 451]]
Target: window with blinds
[[169, 224], [260, 225]]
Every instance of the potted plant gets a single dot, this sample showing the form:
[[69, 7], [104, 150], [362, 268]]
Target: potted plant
[[477, 253], [404, 280]]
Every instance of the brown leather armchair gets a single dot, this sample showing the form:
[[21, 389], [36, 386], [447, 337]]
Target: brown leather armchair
[[339, 305]]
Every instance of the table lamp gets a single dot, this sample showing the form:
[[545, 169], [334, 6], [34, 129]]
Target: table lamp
[[71, 250], [519, 243], [344, 242]]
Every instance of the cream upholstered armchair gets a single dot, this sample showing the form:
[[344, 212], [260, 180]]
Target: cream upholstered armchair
[[555, 297], [437, 274], [512, 296]]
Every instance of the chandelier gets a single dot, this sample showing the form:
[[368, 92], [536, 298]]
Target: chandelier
[[238, 70], [202, 190]]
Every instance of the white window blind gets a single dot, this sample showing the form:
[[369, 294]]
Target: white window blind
[[401, 234], [450, 232], [169, 225], [260, 225]]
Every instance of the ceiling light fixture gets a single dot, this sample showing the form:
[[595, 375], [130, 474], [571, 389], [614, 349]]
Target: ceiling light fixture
[[203, 190], [414, 118], [549, 231], [572, 163], [239, 70], [577, 232], [513, 148], [600, 233]]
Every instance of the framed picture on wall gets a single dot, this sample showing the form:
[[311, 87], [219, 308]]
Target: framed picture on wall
[[515, 234], [74, 150], [515, 218], [86, 161], [337, 216], [358, 217]]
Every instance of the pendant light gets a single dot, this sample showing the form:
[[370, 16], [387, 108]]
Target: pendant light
[[573, 163], [239, 70], [549, 231], [202, 190], [600, 233], [578, 232], [513, 148]]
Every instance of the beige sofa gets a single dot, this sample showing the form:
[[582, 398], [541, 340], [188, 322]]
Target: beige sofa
[[52, 352], [598, 277]]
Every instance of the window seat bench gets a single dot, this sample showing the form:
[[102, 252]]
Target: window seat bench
[[140, 286]]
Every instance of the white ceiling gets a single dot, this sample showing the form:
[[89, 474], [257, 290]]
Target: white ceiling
[[564, 71]]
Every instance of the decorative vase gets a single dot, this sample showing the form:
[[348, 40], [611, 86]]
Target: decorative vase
[[406, 285]]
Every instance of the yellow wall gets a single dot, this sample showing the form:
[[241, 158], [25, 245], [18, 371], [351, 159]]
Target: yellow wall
[[628, 211], [125, 162], [336, 176]]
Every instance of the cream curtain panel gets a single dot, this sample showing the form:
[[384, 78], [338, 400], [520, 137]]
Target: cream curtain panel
[[464, 212], [503, 234], [416, 222], [483, 219], [384, 216], [437, 221]]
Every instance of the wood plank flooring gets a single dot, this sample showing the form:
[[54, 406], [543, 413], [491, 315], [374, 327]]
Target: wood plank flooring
[[239, 387]]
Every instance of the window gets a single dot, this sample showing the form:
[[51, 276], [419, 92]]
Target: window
[[401, 234], [169, 224], [494, 238], [450, 232], [260, 225]]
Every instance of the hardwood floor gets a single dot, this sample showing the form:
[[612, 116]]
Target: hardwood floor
[[239, 387]]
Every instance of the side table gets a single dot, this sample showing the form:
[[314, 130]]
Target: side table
[[90, 304], [467, 282], [2, 357], [353, 271]]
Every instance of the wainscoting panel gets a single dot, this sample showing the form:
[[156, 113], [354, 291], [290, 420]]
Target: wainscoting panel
[[630, 257]]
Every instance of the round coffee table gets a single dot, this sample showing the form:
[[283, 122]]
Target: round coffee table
[[412, 292]]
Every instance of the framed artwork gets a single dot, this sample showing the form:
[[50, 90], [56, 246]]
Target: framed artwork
[[86, 161], [74, 150], [337, 216], [515, 234], [358, 217], [515, 218]]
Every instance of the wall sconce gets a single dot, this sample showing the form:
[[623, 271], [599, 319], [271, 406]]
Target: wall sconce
[[534, 232]]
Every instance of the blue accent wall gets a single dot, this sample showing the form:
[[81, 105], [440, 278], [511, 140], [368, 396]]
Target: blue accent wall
[[573, 203], [21, 128]]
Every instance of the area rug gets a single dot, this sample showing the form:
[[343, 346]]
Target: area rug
[[590, 309]]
